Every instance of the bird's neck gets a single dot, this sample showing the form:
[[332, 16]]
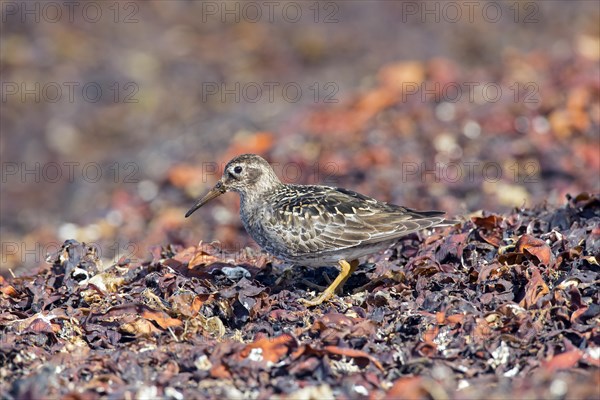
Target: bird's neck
[[257, 196], [250, 208]]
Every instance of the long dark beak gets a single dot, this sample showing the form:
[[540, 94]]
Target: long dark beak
[[218, 190]]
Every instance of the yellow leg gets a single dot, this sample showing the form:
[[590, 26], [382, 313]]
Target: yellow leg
[[353, 266], [347, 269]]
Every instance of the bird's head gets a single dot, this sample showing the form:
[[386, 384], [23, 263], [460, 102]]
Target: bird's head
[[248, 174]]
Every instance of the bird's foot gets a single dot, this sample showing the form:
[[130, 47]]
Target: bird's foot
[[338, 283], [325, 296]]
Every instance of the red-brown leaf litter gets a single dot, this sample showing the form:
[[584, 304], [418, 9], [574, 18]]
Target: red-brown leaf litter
[[501, 305]]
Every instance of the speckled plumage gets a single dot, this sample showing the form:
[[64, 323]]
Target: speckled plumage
[[319, 225], [314, 225]]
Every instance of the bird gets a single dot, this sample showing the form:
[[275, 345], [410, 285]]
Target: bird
[[314, 225]]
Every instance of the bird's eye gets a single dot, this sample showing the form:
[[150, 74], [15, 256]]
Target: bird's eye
[[237, 169]]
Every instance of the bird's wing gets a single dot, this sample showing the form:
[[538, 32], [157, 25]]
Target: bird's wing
[[326, 219]]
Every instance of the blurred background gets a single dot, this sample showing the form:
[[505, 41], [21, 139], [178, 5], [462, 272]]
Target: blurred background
[[117, 116]]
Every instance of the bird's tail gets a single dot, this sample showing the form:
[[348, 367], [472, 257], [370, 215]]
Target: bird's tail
[[448, 222], [430, 214]]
